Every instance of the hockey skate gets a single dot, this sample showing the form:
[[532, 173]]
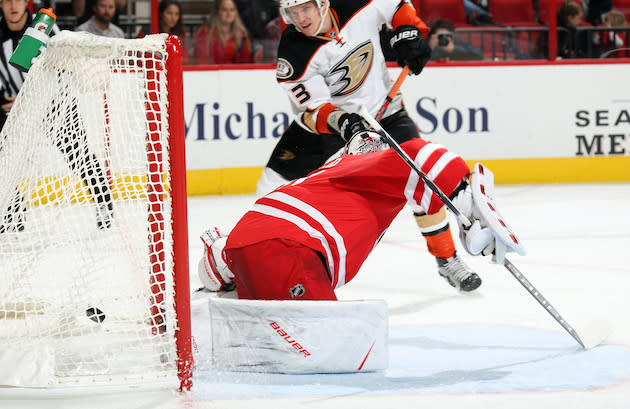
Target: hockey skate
[[458, 274], [104, 215]]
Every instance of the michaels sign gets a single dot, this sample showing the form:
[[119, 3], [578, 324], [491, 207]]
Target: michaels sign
[[207, 121]]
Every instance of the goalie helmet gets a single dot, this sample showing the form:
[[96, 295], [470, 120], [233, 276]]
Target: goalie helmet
[[365, 142], [322, 5]]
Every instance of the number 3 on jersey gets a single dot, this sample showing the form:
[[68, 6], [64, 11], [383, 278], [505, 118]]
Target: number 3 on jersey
[[300, 94]]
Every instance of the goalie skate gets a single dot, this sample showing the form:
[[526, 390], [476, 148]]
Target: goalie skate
[[458, 274]]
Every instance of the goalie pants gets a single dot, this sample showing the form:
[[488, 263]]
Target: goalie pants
[[279, 269]]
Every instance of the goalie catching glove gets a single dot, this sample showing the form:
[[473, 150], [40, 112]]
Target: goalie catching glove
[[488, 233], [410, 48], [213, 271]]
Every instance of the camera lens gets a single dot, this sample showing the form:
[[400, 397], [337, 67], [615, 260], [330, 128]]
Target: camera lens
[[444, 38]]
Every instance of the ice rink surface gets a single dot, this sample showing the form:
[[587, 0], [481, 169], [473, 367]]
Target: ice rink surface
[[494, 348]]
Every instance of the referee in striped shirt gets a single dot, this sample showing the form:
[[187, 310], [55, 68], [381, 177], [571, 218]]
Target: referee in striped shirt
[[72, 142]]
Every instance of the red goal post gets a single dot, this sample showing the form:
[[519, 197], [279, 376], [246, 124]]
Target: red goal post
[[180, 208]]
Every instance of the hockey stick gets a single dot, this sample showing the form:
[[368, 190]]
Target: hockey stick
[[598, 332], [593, 335], [394, 145], [392, 93]]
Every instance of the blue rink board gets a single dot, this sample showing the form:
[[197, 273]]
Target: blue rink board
[[446, 359]]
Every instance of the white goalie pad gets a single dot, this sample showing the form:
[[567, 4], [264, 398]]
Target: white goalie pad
[[299, 336], [491, 224]]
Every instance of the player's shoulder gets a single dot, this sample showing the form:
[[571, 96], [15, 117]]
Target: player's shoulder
[[295, 52], [346, 9]]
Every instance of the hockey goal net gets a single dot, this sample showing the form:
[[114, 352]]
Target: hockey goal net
[[93, 237]]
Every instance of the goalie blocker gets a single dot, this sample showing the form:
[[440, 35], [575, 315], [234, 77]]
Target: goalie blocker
[[298, 336]]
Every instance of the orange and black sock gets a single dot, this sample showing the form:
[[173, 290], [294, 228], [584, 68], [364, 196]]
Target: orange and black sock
[[437, 232]]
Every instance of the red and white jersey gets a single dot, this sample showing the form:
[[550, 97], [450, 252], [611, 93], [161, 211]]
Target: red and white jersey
[[343, 208], [344, 68]]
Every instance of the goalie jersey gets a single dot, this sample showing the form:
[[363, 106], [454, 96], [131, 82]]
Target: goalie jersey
[[344, 68], [342, 209]]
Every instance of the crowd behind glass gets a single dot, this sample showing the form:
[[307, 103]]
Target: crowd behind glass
[[246, 31]]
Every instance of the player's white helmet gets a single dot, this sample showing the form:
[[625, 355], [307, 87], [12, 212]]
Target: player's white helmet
[[322, 5]]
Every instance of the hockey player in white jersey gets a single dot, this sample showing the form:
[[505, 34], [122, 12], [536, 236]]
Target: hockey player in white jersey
[[330, 62]]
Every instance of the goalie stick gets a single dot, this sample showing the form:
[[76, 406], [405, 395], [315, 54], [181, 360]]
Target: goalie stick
[[598, 331]]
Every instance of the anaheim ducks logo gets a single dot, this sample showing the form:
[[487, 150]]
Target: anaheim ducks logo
[[286, 155], [284, 69], [348, 75]]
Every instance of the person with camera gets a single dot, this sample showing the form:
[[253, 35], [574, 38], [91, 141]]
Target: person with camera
[[445, 45]]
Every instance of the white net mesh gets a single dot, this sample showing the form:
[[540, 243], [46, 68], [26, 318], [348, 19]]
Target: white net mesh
[[86, 282]]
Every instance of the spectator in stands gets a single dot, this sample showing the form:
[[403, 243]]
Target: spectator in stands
[[84, 10], [571, 43], [270, 40], [170, 21], [255, 16], [100, 23], [446, 45], [225, 39], [596, 9], [610, 43], [476, 14]]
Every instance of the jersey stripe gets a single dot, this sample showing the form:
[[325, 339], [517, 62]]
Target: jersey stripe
[[412, 182], [11, 78], [441, 163], [291, 218], [434, 172], [339, 276]]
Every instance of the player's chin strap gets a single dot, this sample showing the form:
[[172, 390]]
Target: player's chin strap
[[464, 221]]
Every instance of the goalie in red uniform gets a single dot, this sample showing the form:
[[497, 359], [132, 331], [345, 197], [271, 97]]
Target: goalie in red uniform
[[311, 236], [330, 62]]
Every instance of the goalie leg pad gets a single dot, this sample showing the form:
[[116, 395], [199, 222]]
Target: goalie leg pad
[[298, 336]]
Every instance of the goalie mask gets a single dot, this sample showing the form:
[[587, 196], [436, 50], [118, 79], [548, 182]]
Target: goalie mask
[[365, 142], [285, 5]]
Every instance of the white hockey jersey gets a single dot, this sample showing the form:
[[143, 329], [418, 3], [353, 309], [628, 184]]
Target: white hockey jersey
[[344, 68]]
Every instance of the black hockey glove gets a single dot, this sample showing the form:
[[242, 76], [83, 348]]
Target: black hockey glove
[[410, 48], [350, 124]]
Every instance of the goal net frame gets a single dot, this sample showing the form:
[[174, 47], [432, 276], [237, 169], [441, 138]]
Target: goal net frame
[[166, 260]]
